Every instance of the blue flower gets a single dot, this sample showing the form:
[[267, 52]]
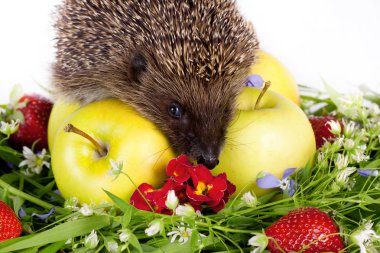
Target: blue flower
[[368, 172], [254, 81], [44, 216], [267, 180], [21, 213]]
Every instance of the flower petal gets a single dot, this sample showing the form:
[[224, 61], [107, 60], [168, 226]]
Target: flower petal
[[254, 81], [368, 172], [288, 172], [268, 181], [44, 216]]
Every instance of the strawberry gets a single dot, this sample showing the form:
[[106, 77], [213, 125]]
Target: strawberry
[[305, 228], [322, 129], [33, 127], [10, 226]]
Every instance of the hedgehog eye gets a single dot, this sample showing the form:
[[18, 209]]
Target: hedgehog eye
[[175, 110]]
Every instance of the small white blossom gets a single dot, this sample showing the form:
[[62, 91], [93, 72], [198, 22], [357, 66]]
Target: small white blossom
[[72, 203], [342, 177], [69, 241], [2, 111], [352, 106], [116, 168], [335, 127], [155, 227], [259, 242], [171, 200], [358, 156], [124, 235], [86, 210], [34, 162], [373, 109], [91, 241], [348, 129], [9, 128], [337, 144], [185, 210], [250, 199], [112, 246], [364, 236], [183, 232], [341, 161], [348, 144]]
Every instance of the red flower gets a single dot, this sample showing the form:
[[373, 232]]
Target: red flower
[[178, 169], [155, 198], [231, 188], [137, 199], [194, 185], [205, 188]]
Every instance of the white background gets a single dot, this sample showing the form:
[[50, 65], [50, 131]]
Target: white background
[[338, 40]]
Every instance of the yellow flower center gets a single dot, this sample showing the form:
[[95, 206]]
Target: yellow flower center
[[202, 188]]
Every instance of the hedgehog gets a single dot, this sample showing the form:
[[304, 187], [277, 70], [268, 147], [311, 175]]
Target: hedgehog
[[179, 63]]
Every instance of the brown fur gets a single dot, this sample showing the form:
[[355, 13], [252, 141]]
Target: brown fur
[[194, 52]]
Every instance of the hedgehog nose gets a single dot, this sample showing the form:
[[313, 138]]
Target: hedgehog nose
[[209, 161]]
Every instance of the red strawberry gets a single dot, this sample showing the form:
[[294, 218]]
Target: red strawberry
[[322, 129], [10, 226], [36, 114], [308, 228]]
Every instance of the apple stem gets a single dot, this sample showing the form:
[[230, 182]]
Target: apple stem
[[264, 89], [99, 148]]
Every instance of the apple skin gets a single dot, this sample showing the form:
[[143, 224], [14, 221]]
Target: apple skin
[[61, 110], [271, 69], [130, 138], [272, 138]]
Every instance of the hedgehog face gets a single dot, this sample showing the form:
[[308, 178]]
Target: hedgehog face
[[192, 112]]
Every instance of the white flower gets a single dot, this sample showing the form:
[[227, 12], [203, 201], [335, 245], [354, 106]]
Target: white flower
[[249, 199], [86, 210], [9, 128], [112, 246], [342, 177], [124, 235], [72, 203], [91, 241], [155, 227], [185, 210], [34, 162], [335, 127], [348, 144], [341, 161], [364, 236], [184, 234], [2, 111], [373, 109], [359, 156], [259, 241], [171, 200], [116, 168], [348, 129]]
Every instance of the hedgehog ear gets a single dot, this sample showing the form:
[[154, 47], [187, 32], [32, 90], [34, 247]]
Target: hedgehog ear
[[138, 66]]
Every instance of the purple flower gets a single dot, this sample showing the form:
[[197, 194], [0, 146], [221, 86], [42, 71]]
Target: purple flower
[[254, 81], [21, 212], [368, 172], [267, 180], [44, 216]]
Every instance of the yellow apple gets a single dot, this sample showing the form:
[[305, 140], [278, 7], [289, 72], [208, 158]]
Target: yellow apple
[[61, 110], [80, 171], [269, 68], [272, 138]]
